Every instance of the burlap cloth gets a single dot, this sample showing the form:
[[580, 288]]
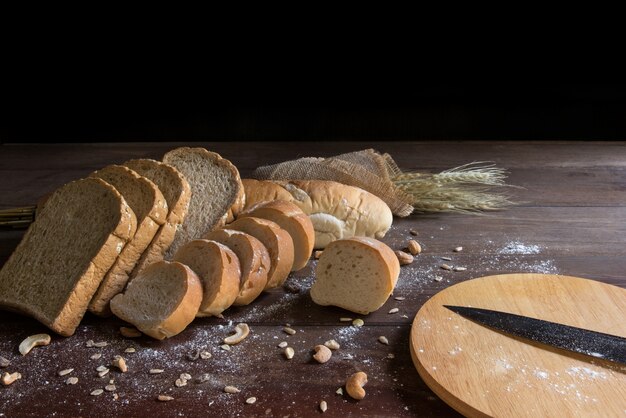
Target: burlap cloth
[[367, 169]]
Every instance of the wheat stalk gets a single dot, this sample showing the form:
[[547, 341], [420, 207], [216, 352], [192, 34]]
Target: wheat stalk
[[17, 217]]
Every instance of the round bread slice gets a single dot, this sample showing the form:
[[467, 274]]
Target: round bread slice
[[220, 271], [291, 218], [161, 301], [357, 274], [278, 243], [253, 257]]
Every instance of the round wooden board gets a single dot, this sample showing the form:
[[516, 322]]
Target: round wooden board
[[481, 372]]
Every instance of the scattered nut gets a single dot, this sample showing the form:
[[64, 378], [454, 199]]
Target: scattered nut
[[97, 392], [165, 398], [323, 406], [103, 373], [101, 344], [130, 350], [71, 381], [345, 319], [283, 344], [322, 353], [156, 371], [193, 355], [460, 268], [129, 332], [289, 331], [404, 258], [241, 332], [393, 310], [339, 391], [101, 368], [120, 363], [251, 400], [110, 388], [289, 353], [65, 371], [115, 397], [225, 347], [414, 247], [204, 355], [445, 267], [318, 254], [89, 343], [438, 278], [4, 362], [8, 378], [33, 341], [358, 322], [180, 383], [458, 249], [231, 389], [354, 385], [96, 356], [383, 340], [332, 344]]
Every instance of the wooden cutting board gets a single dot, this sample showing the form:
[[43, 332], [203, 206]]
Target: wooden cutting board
[[480, 372]]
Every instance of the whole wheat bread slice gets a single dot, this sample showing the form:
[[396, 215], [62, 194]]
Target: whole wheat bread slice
[[57, 267], [215, 188], [177, 193], [150, 208]]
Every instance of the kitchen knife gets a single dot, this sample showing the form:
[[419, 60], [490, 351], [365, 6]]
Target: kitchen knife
[[590, 343]]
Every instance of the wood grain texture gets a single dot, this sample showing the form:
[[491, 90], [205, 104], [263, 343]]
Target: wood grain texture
[[482, 372], [573, 222]]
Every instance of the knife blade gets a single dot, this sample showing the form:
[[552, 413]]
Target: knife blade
[[578, 340]]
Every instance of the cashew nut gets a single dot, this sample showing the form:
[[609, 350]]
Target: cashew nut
[[241, 331], [354, 385], [8, 378], [322, 353], [33, 341], [120, 363]]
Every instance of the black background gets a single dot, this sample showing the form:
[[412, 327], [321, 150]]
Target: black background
[[299, 111]]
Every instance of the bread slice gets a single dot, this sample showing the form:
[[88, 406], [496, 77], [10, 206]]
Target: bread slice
[[219, 269], [278, 243], [177, 193], [291, 218], [57, 267], [150, 208], [161, 301], [253, 257], [357, 274], [215, 188]]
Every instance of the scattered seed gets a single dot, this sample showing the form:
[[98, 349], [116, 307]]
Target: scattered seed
[[289, 353], [318, 254], [130, 332], [445, 267], [460, 268], [180, 383], [414, 247], [404, 316], [404, 258], [65, 371], [185, 376], [165, 398], [231, 389], [446, 258], [458, 249], [204, 355], [289, 331], [101, 344], [323, 406], [120, 363], [101, 368], [130, 350], [110, 388], [358, 322], [4, 362], [393, 310], [251, 400], [89, 343], [283, 344], [345, 319], [193, 355], [9, 378], [399, 298], [71, 381], [203, 378], [391, 355], [383, 340], [96, 356], [332, 344], [103, 373], [156, 371], [339, 391], [413, 232], [438, 278], [111, 381], [97, 392], [115, 397], [225, 347]]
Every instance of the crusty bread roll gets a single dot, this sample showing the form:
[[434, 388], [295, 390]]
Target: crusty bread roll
[[337, 211], [219, 269], [357, 274], [253, 257], [278, 243], [161, 301], [291, 218]]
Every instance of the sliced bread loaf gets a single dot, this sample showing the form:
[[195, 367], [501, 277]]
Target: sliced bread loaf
[[215, 188], [278, 243], [291, 218], [161, 301], [253, 257], [219, 269], [57, 267], [357, 274], [150, 208], [177, 193]]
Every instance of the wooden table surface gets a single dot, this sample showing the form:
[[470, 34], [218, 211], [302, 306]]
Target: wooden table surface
[[572, 221]]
